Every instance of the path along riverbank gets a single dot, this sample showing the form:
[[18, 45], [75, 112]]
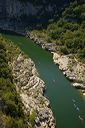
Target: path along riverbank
[[71, 67]]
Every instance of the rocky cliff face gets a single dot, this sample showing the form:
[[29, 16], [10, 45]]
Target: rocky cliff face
[[17, 8], [17, 13]]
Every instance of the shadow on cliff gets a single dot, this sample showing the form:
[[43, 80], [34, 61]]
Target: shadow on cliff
[[9, 32]]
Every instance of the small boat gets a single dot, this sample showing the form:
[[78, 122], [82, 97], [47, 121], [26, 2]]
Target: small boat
[[77, 109], [80, 118], [53, 80]]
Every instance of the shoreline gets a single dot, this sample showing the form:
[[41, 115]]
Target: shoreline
[[77, 83], [31, 90], [69, 72], [12, 31]]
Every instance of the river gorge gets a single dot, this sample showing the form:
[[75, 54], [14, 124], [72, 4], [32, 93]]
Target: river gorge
[[67, 104]]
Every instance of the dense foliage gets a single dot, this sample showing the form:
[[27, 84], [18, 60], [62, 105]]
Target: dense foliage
[[11, 113], [69, 31]]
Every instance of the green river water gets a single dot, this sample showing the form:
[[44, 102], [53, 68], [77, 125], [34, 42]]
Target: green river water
[[64, 99]]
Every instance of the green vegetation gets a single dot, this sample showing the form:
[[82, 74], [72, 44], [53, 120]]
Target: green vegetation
[[11, 107], [69, 31], [11, 113], [32, 117]]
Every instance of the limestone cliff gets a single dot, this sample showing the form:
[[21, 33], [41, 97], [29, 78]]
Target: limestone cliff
[[18, 14], [17, 8]]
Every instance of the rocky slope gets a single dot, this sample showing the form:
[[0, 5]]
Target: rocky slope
[[31, 89], [17, 8], [72, 69], [23, 90]]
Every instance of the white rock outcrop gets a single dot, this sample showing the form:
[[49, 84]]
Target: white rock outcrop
[[72, 69], [31, 89]]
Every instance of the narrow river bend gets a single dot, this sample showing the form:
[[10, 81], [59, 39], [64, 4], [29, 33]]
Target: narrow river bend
[[67, 104]]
